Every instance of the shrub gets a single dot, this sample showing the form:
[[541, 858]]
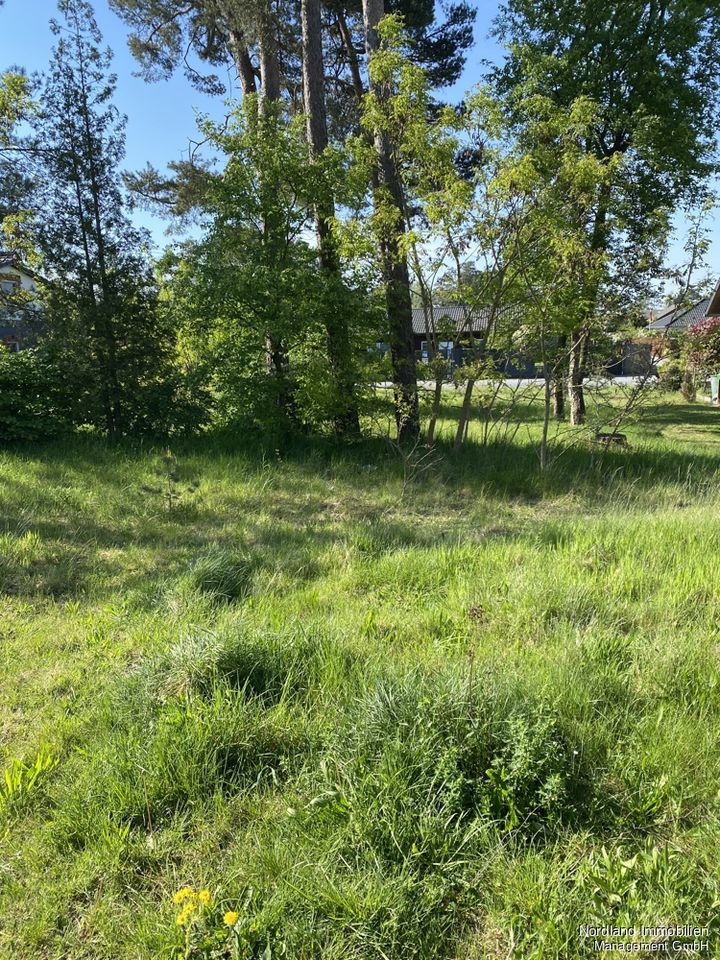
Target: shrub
[[688, 387], [34, 400], [703, 345], [671, 375]]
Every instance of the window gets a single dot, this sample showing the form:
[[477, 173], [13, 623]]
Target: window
[[445, 348]]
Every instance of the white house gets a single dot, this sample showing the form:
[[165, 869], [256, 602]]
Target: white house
[[18, 306]]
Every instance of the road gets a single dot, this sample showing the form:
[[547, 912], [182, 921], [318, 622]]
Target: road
[[515, 384]]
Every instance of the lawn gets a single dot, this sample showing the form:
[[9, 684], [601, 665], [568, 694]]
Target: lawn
[[376, 710]]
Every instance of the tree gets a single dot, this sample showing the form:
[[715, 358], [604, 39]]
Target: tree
[[254, 280], [165, 32], [15, 102], [103, 326], [703, 346], [430, 199], [389, 201], [649, 67], [339, 348], [165, 29], [15, 185]]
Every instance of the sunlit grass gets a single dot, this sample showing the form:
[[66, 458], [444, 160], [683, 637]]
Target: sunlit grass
[[375, 718]]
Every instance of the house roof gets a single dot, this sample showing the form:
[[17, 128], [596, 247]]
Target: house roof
[[456, 316], [9, 259], [714, 305], [672, 318]]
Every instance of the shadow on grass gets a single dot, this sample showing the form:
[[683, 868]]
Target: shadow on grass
[[322, 492]]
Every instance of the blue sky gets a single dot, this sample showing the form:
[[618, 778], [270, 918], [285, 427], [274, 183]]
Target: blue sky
[[161, 116]]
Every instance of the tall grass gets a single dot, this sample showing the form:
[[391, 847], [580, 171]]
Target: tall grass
[[455, 718]]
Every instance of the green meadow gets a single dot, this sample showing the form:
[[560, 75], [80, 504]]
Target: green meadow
[[377, 706]]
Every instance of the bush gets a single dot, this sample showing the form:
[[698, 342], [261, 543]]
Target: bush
[[34, 402], [688, 387], [671, 375]]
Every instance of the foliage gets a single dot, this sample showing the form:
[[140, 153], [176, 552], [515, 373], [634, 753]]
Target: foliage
[[104, 329], [250, 296], [671, 375], [703, 346], [34, 401], [648, 68], [15, 102], [162, 33]]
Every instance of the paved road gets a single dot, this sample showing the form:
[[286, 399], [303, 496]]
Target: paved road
[[514, 384]]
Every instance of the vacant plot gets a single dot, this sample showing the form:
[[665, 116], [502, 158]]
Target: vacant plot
[[375, 710]]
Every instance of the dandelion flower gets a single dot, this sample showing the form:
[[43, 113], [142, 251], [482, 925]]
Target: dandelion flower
[[231, 918], [183, 894], [204, 897], [184, 915]]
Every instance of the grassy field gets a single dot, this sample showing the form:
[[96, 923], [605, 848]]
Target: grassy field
[[375, 715]]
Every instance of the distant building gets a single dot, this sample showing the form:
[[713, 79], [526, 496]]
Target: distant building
[[19, 310], [446, 326], [713, 309], [454, 330], [674, 320]]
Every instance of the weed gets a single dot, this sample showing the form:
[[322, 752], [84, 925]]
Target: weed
[[21, 780]]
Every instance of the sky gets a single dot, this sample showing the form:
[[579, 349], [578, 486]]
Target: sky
[[162, 115]]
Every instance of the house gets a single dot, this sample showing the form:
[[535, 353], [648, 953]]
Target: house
[[456, 330], [674, 320], [668, 325], [19, 309], [446, 325], [713, 309]]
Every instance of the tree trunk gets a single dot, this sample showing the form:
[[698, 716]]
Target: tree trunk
[[558, 386], [577, 398], [462, 427], [353, 63], [103, 310], [267, 48], [435, 409], [346, 420], [277, 353], [546, 420], [238, 49], [243, 63], [578, 359], [395, 267]]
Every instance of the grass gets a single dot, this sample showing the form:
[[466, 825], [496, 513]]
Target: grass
[[455, 717]]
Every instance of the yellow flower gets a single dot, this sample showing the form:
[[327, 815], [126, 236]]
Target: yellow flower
[[204, 897], [183, 894], [184, 915], [231, 918]]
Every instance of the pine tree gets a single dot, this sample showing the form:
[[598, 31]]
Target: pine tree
[[347, 421], [389, 193], [103, 326]]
